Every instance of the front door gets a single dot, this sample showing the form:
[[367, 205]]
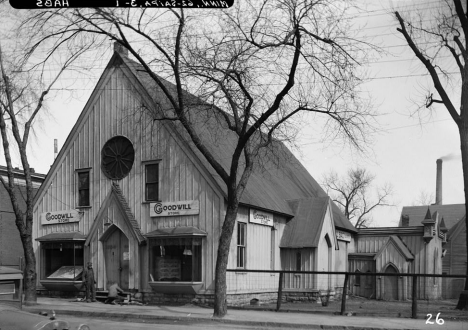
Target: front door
[[116, 255], [391, 284]]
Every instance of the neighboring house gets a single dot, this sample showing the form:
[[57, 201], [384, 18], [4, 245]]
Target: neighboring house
[[134, 196], [405, 249], [11, 248], [454, 250]]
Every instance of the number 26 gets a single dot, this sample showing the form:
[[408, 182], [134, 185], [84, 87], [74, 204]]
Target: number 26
[[439, 321]]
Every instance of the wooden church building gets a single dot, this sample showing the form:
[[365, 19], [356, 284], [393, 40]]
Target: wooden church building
[[132, 195]]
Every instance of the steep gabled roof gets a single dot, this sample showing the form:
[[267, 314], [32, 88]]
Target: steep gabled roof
[[279, 179], [303, 231], [115, 194], [451, 213], [400, 246], [268, 188]]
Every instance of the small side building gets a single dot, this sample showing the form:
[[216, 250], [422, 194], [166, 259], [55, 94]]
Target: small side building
[[454, 250], [407, 249]]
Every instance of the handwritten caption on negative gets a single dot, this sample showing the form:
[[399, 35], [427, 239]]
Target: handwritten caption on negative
[[44, 4], [438, 319]]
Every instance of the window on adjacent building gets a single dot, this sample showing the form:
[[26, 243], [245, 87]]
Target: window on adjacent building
[[357, 281], [272, 247], [152, 182], [298, 261], [62, 260], [176, 259], [241, 244], [83, 188]]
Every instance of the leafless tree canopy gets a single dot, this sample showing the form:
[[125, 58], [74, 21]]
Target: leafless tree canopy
[[263, 67], [356, 195]]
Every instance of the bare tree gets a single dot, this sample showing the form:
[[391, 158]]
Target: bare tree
[[432, 41], [424, 198], [265, 64], [25, 87], [353, 194]]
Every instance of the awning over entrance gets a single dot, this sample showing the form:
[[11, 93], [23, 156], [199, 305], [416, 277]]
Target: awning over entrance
[[176, 231], [69, 236]]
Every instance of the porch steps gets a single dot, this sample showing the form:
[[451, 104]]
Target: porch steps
[[102, 296]]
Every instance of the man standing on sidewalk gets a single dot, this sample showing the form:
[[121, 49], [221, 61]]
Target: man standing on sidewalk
[[89, 283]]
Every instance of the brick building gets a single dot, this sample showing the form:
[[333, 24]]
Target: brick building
[[11, 249]]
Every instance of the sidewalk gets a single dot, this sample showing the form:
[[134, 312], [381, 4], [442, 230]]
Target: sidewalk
[[268, 319]]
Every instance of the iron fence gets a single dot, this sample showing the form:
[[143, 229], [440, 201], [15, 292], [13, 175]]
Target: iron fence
[[385, 294]]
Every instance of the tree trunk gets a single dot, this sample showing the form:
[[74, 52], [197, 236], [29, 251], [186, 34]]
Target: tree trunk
[[220, 302], [29, 272], [463, 129]]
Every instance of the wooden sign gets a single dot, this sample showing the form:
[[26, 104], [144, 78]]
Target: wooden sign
[[261, 217], [343, 236], [168, 209], [65, 216]]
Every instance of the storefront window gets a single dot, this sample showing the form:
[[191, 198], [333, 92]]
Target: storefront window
[[175, 259], [62, 260]]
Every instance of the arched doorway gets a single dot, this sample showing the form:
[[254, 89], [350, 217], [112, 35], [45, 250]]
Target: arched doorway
[[116, 257], [391, 284]]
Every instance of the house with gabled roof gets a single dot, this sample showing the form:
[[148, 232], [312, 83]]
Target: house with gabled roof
[[454, 248], [391, 250], [132, 194]]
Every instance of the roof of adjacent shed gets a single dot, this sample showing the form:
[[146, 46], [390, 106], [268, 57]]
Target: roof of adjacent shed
[[451, 213], [304, 229], [277, 180]]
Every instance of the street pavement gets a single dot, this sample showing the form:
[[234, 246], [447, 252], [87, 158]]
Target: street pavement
[[241, 317]]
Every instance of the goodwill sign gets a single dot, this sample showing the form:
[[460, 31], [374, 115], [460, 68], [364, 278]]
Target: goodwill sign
[[65, 216], [168, 209], [261, 217]]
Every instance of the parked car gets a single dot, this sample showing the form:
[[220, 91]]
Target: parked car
[[12, 318]]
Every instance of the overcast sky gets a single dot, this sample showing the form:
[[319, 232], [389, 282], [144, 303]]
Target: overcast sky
[[404, 152]]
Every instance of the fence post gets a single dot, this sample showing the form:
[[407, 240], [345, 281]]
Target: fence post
[[280, 292], [343, 295], [414, 307]]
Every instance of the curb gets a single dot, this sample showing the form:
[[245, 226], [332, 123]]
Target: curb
[[145, 317]]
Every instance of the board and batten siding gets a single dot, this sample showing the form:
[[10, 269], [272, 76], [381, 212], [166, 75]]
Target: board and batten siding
[[115, 108], [424, 260], [262, 253]]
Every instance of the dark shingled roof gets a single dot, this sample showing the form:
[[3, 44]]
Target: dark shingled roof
[[456, 228], [451, 213], [277, 180], [304, 229]]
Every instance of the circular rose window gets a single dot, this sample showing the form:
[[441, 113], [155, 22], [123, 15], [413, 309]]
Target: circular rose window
[[117, 157]]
